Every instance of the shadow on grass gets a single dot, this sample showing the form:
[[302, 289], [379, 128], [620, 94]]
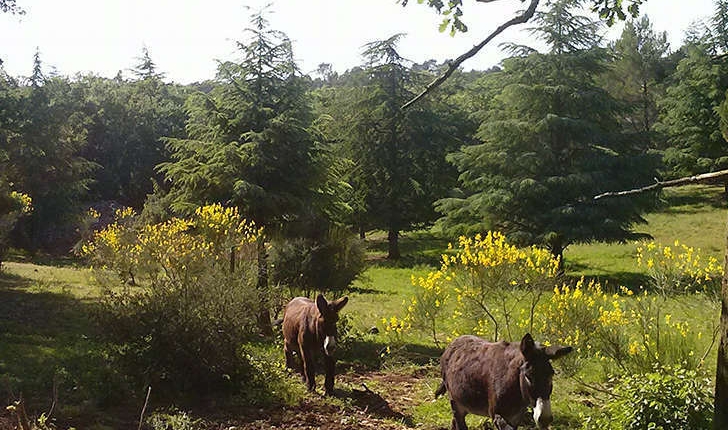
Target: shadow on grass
[[47, 344], [417, 248], [373, 403], [692, 199], [611, 282]]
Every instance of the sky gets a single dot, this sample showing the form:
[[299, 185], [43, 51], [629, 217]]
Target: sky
[[185, 38]]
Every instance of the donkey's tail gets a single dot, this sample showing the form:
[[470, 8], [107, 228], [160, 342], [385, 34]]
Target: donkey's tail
[[441, 389]]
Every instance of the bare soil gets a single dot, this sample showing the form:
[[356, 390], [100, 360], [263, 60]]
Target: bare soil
[[385, 406], [361, 401]]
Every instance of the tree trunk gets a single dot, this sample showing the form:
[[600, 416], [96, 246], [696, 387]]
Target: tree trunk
[[264, 323], [393, 238], [557, 251], [720, 419]]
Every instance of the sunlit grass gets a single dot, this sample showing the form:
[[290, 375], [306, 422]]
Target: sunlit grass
[[45, 326]]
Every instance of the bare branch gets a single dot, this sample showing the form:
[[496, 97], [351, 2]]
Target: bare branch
[[658, 185], [453, 65], [144, 408]]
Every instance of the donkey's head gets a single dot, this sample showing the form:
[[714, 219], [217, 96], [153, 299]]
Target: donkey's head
[[326, 324], [536, 376]]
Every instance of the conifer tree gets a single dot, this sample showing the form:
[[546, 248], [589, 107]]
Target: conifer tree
[[400, 155], [639, 70], [550, 141], [250, 143]]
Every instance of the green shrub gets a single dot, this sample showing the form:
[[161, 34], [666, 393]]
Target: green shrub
[[172, 420], [670, 398], [174, 310], [305, 265], [13, 205]]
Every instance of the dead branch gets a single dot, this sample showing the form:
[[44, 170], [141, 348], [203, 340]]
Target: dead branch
[[55, 396], [453, 65], [144, 408], [658, 185]]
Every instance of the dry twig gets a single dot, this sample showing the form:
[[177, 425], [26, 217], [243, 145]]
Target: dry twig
[[144, 408]]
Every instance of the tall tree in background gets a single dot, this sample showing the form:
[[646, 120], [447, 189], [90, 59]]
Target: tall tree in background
[[400, 155], [46, 163], [640, 66], [689, 114], [551, 141], [249, 142], [127, 120]]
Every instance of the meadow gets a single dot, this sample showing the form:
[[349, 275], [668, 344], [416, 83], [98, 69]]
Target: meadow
[[48, 348]]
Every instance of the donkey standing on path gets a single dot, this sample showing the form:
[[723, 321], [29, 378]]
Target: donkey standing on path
[[500, 380], [309, 327]]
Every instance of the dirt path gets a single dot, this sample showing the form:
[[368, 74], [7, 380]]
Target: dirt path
[[361, 401], [375, 400]]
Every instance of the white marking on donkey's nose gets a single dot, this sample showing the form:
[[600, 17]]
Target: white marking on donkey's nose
[[542, 413], [329, 345]]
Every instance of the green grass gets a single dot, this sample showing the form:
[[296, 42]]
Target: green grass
[[46, 333], [694, 215]]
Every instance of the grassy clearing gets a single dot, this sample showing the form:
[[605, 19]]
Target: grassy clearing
[[46, 334], [695, 215]]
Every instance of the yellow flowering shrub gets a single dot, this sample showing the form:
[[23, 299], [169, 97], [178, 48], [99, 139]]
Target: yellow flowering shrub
[[181, 327], [678, 268], [174, 251], [13, 205], [480, 285], [620, 329]]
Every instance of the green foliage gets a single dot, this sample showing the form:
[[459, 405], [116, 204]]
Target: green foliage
[[172, 420], [399, 155], [327, 263], [550, 142], [181, 328], [126, 120], [44, 142], [669, 398], [638, 76], [13, 205], [689, 114], [250, 142]]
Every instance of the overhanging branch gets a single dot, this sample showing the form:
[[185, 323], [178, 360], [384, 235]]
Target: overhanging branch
[[453, 65], [697, 179]]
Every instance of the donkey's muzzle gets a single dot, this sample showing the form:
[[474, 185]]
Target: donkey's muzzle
[[329, 345]]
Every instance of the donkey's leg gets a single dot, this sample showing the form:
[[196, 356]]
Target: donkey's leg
[[288, 349], [330, 364], [309, 372], [458, 417], [501, 424]]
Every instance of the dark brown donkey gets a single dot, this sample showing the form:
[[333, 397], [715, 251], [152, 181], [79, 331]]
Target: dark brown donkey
[[500, 380], [309, 327]]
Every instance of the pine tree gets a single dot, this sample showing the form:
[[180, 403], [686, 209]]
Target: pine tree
[[250, 142], [550, 142], [400, 155], [637, 76]]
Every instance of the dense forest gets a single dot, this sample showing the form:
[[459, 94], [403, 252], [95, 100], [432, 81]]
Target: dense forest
[[109, 170], [476, 155]]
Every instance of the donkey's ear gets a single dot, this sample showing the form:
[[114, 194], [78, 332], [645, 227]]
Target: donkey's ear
[[322, 304], [528, 346], [336, 305], [554, 352]]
